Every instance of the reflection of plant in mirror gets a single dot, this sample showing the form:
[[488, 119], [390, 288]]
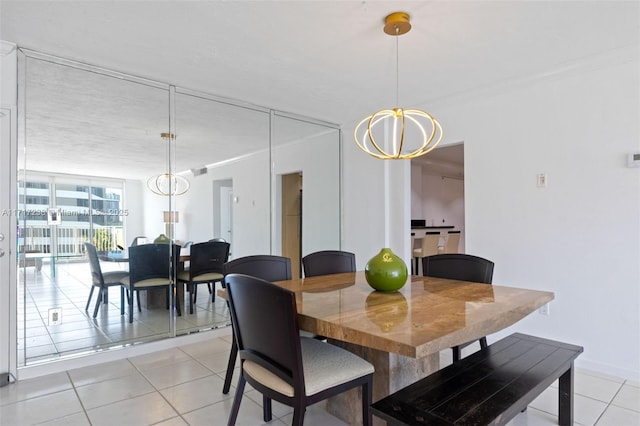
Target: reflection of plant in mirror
[[102, 239]]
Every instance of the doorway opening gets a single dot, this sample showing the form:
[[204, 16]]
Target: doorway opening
[[223, 211], [291, 207]]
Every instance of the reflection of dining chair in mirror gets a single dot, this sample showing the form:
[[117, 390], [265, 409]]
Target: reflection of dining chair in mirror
[[103, 281], [265, 267], [205, 267], [328, 262], [428, 246], [462, 267], [452, 242], [152, 266], [281, 365]]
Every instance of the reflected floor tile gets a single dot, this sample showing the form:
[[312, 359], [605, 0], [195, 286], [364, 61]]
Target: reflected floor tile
[[618, 416], [595, 387], [97, 373], [195, 394], [628, 397], [78, 419], [207, 347], [250, 414], [32, 388], [159, 359], [113, 390], [175, 374], [316, 415], [142, 410], [586, 410], [175, 421], [40, 409]]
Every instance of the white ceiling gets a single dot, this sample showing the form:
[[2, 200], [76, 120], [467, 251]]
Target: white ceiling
[[325, 59]]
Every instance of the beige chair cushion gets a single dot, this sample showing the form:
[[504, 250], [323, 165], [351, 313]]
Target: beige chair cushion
[[152, 282], [324, 366], [114, 276], [212, 276]]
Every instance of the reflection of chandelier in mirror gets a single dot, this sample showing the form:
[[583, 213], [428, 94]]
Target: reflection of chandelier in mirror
[[168, 183], [392, 125]]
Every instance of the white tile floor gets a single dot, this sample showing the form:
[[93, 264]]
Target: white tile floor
[[183, 387]]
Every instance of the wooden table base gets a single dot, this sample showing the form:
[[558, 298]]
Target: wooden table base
[[392, 373]]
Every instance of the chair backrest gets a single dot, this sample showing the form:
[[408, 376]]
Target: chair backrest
[[265, 267], [463, 267], [452, 242], [205, 258], [328, 262], [153, 261], [219, 240], [430, 243], [94, 264], [264, 319]]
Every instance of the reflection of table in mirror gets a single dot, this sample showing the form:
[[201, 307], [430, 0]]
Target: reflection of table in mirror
[[155, 299], [401, 333], [36, 259]]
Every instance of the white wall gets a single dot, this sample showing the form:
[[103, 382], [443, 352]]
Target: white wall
[[580, 236], [251, 220], [318, 159]]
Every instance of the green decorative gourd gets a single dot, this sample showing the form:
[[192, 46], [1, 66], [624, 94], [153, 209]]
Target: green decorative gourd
[[385, 271]]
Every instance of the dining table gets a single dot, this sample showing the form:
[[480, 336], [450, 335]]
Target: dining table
[[402, 332]]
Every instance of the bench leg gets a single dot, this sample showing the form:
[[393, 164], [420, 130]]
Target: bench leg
[[565, 398]]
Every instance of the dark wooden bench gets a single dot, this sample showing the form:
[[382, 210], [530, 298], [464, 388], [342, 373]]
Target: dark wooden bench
[[489, 387]]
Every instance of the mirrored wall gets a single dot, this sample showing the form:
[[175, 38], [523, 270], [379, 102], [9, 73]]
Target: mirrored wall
[[93, 143]]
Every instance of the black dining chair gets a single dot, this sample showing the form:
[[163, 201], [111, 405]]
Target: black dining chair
[[328, 262], [462, 267], [281, 365], [152, 266], [266, 267], [205, 267], [103, 281]]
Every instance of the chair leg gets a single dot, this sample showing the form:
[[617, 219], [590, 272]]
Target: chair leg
[[483, 343], [178, 309], [298, 415], [192, 295], [137, 294], [235, 408], [99, 301], [267, 414], [121, 300], [367, 396], [230, 366], [86, 308], [132, 295], [456, 353]]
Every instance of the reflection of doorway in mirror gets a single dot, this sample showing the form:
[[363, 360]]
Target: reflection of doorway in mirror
[[223, 211], [292, 220]]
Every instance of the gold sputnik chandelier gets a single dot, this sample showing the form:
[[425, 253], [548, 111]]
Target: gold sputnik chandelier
[[168, 183], [398, 133]]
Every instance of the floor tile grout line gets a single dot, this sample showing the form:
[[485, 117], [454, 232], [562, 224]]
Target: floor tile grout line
[[75, 391]]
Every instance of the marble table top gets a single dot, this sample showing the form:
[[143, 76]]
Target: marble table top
[[424, 317]]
